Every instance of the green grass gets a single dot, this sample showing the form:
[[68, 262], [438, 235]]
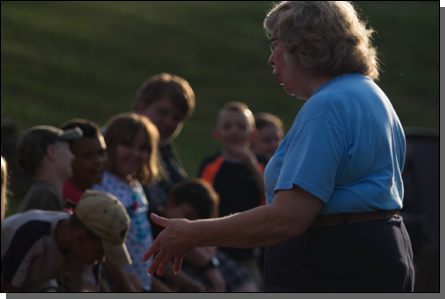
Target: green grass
[[61, 60]]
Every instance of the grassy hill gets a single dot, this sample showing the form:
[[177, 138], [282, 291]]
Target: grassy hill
[[61, 60]]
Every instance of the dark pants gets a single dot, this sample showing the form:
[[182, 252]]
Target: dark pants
[[371, 256]]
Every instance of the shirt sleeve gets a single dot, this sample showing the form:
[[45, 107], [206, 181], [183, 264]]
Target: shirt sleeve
[[42, 199], [21, 251], [16, 276], [312, 159]]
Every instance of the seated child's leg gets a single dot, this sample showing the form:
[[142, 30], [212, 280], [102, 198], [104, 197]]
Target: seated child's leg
[[252, 265], [134, 279]]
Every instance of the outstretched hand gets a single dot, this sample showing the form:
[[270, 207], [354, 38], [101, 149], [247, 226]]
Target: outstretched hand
[[171, 243]]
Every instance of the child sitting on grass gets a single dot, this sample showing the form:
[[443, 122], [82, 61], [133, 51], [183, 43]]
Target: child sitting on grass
[[90, 160], [88, 169], [236, 173], [132, 145], [194, 199], [39, 247], [44, 153], [269, 136]]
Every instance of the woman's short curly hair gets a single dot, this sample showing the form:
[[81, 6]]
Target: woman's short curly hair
[[324, 37]]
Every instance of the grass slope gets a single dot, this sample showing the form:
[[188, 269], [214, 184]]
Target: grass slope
[[61, 60]]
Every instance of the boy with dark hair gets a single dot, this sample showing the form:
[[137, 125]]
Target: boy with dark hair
[[195, 199], [199, 195], [89, 163], [43, 152], [168, 101], [236, 173], [191, 199], [41, 246]]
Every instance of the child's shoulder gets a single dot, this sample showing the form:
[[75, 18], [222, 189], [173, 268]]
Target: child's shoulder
[[29, 238], [211, 158], [33, 223], [109, 181], [42, 186]]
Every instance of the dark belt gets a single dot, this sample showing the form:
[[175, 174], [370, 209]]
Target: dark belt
[[345, 218]]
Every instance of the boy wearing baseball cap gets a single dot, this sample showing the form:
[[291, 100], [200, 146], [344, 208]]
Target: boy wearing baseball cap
[[44, 153], [40, 246]]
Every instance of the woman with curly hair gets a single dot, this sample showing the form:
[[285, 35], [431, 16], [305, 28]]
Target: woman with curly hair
[[334, 185]]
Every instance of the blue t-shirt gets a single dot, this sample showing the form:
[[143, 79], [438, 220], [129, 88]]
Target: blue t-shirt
[[346, 147]]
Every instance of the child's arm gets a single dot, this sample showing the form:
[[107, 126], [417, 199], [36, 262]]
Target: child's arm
[[199, 258], [251, 162], [119, 276], [183, 280], [158, 286]]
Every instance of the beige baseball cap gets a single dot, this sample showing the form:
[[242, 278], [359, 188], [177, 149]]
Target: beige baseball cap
[[106, 217]]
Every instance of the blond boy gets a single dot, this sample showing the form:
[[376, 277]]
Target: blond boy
[[236, 173]]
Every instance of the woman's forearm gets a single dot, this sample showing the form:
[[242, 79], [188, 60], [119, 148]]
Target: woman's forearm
[[290, 214], [261, 226]]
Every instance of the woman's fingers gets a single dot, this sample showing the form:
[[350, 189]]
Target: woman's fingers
[[161, 221], [155, 246], [150, 251], [178, 263], [170, 243], [163, 264], [156, 262]]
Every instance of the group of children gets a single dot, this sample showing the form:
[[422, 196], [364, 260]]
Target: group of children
[[84, 223]]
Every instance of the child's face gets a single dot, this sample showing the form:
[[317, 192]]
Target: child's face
[[129, 158], [183, 210], [88, 252], [90, 162], [63, 158], [233, 131], [166, 116], [267, 141]]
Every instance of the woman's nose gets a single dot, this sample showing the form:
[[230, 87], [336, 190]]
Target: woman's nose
[[272, 59]]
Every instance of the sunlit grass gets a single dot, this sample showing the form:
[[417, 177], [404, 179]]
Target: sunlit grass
[[61, 60]]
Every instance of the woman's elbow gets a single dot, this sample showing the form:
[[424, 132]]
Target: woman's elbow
[[295, 230]]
